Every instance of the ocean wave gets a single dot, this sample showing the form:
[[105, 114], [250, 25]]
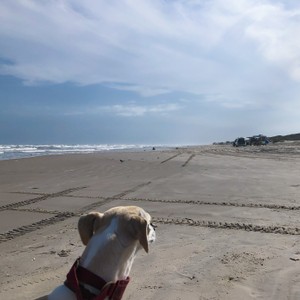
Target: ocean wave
[[22, 151]]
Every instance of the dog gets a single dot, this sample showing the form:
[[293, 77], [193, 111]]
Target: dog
[[112, 241]]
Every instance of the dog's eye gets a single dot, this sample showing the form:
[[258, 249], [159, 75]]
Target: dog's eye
[[153, 226]]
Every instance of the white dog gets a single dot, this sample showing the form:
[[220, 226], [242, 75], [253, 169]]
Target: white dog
[[112, 240]]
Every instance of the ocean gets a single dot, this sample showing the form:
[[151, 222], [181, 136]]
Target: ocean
[[25, 151]]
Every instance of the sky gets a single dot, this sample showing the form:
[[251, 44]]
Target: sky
[[148, 71]]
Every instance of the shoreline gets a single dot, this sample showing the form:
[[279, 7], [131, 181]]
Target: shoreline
[[228, 224], [47, 150], [8, 152]]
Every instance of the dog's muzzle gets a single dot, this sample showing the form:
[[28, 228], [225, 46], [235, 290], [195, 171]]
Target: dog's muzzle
[[151, 233]]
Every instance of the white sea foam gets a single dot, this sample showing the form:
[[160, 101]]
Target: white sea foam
[[22, 151]]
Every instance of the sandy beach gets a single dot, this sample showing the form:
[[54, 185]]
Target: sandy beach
[[228, 220]]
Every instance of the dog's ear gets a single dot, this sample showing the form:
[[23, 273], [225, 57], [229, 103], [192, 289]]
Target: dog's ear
[[88, 225], [138, 227]]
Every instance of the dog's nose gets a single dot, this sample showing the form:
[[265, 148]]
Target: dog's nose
[[152, 238]]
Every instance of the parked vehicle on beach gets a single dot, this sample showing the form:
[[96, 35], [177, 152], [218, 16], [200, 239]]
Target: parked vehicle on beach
[[255, 140], [239, 142], [258, 140]]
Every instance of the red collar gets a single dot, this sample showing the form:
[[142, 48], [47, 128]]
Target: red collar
[[79, 275]]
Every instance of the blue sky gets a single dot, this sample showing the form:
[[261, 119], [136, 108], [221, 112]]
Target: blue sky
[[148, 72]]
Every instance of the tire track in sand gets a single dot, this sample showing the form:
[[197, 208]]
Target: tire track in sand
[[162, 162], [61, 216], [11, 234], [191, 157], [41, 198], [199, 202], [227, 225]]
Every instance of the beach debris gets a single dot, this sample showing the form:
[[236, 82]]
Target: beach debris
[[191, 277], [64, 253], [295, 257], [152, 287]]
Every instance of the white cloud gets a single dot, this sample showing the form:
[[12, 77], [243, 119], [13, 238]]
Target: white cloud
[[133, 110], [144, 91], [127, 110], [275, 29], [234, 49]]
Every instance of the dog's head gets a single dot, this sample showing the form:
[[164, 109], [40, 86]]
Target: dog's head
[[129, 223]]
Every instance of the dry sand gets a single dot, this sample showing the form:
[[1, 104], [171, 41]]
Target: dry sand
[[228, 220]]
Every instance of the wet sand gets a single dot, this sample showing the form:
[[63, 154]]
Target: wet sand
[[228, 220]]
